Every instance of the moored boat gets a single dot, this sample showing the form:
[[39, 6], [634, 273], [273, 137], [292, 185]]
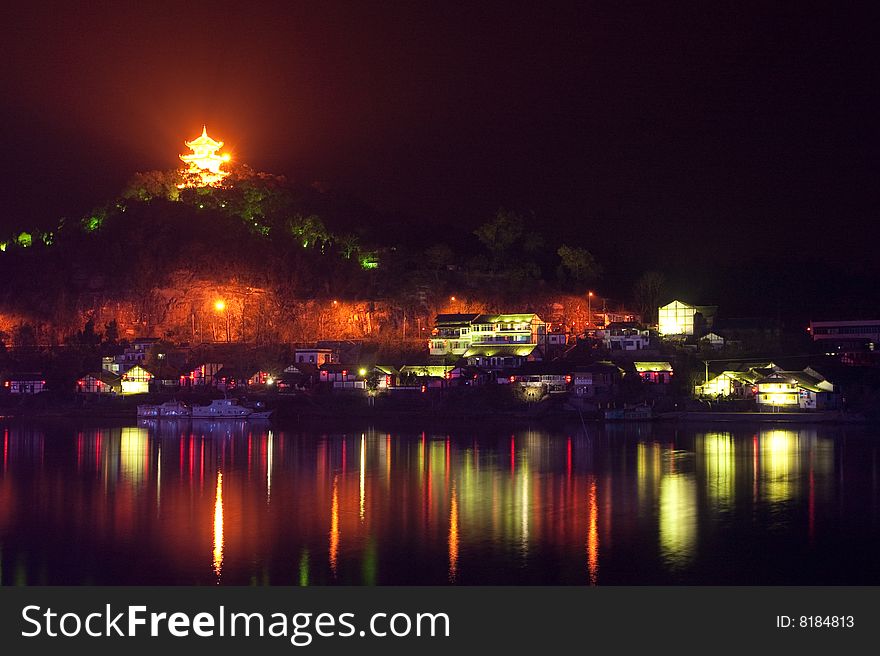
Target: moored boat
[[221, 409]]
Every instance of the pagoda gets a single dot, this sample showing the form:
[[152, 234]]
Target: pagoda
[[204, 163]]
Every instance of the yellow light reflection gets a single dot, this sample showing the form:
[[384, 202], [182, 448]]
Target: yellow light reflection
[[778, 464], [334, 526], [133, 454], [678, 518], [218, 526], [363, 475], [719, 465], [593, 534], [453, 535]]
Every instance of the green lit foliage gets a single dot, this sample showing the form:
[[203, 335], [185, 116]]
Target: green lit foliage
[[48, 238], [3, 245], [154, 184], [349, 244], [309, 231], [261, 229], [369, 260], [94, 221], [25, 239], [577, 264]]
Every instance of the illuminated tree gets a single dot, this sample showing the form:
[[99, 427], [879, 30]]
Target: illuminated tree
[[309, 230], [150, 185]]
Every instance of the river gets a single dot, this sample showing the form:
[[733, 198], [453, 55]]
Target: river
[[228, 503]]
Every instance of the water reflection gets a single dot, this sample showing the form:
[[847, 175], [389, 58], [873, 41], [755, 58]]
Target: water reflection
[[453, 536], [678, 518], [593, 535], [718, 463], [146, 504], [218, 527]]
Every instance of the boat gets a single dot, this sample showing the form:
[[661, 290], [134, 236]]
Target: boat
[[223, 409], [635, 413], [167, 409]]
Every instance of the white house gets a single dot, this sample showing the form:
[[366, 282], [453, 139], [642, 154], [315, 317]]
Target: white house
[[626, 336], [458, 334], [451, 334], [804, 390]]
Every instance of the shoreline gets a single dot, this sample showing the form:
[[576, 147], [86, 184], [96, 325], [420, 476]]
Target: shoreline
[[311, 416]]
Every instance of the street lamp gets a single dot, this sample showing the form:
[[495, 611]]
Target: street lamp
[[220, 306], [589, 309]]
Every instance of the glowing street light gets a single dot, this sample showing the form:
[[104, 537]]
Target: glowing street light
[[220, 306], [589, 308]]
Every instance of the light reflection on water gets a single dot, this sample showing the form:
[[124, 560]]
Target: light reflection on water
[[232, 503]]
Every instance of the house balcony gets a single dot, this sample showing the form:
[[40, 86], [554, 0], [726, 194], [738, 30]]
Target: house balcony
[[448, 346], [523, 339]]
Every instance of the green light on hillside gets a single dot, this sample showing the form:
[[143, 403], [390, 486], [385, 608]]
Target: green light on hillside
[[3, 245], [370, 261], [24, 240], [47, 237], [92, 223]]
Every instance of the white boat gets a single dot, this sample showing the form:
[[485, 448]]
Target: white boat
[[167, 409], [222, 409]]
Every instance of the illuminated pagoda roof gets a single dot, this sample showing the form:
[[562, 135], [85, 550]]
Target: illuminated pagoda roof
[[204, 141], [204, 161]]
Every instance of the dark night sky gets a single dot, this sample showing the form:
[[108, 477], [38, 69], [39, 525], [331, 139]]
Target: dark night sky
[[697, 132]]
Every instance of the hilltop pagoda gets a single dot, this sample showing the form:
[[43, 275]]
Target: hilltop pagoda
[[204, 163]]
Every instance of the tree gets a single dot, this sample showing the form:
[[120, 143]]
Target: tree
[[154, 184], [309, 230], [111, 332], [24, 335], [577, 264], [87, 336], [647, 292], [500, 234]]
